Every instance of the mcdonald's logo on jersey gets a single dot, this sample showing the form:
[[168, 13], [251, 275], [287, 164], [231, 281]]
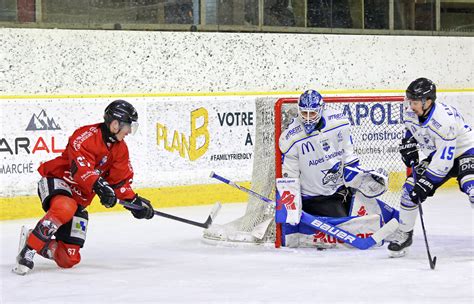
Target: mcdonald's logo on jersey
[[306, 146]]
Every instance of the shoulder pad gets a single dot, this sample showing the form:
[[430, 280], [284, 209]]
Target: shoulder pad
[[83, 134], [335, 119], [442, 123], [334, 115], [294, 133]]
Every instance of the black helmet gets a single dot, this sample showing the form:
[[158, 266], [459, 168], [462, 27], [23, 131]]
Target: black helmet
[[120, 110], [421, 89]]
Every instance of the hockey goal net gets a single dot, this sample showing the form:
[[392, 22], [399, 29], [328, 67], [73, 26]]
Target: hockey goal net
[[376, 127]]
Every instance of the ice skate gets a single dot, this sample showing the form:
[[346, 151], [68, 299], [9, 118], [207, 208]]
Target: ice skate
[[400, 243], [24, 260]]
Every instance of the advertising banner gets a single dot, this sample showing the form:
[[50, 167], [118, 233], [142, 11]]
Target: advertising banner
[[180, 140]]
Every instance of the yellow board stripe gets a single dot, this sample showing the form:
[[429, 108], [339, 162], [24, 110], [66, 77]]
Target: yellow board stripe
[[193, 195], [198, 94], [177, 196]]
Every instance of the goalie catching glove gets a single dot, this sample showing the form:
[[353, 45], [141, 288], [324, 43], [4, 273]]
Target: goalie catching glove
[[146, 212], [371, 183]]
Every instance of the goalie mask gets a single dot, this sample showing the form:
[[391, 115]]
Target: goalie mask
[[310, 109]]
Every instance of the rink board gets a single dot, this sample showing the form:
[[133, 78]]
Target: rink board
[[181, 139]]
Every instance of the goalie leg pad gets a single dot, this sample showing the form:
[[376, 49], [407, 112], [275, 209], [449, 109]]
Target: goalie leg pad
[[362, 205], [304, 235]]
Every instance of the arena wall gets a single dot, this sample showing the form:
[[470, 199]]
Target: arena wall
[[195, 94]]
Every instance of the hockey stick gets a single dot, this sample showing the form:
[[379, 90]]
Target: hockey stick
[[431, 260], [241, 188], [260, 230], [206, 224], [321, 225]]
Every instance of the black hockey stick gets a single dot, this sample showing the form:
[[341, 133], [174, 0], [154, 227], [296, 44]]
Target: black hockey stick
[[431, 260], [206, 224]]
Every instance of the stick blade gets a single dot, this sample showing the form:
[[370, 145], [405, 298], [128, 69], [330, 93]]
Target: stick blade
[[215, 210], [260, 230], [385, 231], [212, 215], [433, 263]]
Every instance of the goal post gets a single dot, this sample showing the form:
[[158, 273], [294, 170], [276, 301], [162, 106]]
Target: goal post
[[376, 127]]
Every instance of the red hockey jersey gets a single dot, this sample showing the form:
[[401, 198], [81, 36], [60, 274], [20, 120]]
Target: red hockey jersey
[[88, 156]]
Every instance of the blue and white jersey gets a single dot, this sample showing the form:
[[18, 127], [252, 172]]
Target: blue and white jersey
[[316, 158], [444, 135]]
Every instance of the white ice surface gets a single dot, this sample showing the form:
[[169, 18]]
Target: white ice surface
[[127, 261]]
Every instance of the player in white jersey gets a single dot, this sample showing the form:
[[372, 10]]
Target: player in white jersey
[[317, 148], [448, 142]]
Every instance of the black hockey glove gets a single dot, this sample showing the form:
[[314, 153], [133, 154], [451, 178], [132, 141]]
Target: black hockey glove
[[422, 188], [105, 193], [409, 151], [146, 212], [420, 169]]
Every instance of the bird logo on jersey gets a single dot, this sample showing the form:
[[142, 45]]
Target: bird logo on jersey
[[332, 175]]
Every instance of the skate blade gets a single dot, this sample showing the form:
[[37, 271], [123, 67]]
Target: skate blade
[[20, 269], [398, 254]]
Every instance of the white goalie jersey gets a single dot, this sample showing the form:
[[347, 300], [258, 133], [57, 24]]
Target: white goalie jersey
[[318, 158]]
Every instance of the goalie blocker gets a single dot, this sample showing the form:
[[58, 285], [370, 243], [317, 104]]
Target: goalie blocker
[[367, 216]]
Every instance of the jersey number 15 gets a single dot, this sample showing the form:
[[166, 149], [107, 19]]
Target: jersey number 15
[[450, 153]]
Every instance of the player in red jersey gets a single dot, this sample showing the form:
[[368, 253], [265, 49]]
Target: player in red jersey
[[95, 161]]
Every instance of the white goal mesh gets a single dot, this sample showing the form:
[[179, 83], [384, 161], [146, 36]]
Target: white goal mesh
[[376, 130]]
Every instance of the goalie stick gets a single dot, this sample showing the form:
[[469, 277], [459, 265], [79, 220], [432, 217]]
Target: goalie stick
[[241, 188], [260, 230], [206, 224], [321, 225]]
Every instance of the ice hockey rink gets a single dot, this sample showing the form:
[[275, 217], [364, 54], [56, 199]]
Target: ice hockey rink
[[163, 261]]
